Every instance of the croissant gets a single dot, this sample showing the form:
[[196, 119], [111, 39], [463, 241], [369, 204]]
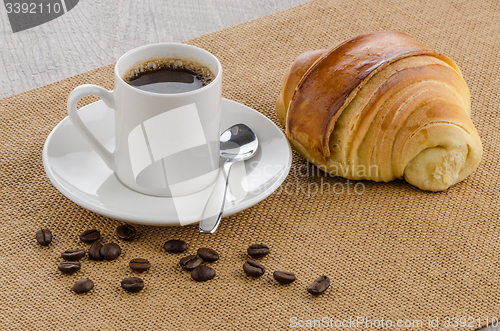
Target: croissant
[[381, 106]]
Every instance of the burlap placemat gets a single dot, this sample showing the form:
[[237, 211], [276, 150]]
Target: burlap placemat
[[392, 252]]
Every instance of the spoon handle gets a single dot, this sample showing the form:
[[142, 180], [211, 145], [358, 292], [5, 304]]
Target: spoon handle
[[215, 205]]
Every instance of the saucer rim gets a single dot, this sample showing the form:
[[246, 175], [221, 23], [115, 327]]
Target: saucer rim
[[149, 219]]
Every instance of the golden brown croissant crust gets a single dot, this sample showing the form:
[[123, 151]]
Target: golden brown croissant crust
[[381, 106]]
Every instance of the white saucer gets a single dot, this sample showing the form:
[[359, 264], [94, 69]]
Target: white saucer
[[80, 174]]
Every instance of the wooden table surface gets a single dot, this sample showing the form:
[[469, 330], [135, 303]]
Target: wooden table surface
[[96, 33]]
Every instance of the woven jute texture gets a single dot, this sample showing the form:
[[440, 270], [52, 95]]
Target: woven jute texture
[[392, 252]]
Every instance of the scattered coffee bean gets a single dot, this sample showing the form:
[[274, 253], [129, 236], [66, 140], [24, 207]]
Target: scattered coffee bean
[[253, 269], [190, 262], [89, 236], [284, 277], [95, 252], [126, 232], [73, 254], [44, 237], [208, 254], [175, 246], [133, 284], [69, 267], [202, 273], [110, 251], [258, 250], [319, 286], [83, 285], [139, 265]]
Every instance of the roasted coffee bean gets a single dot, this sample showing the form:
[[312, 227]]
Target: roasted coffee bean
[[83, 285], [139, 265], [73, 254], [126, 232], [175, 246], [202, 273], [284, 277], [133, 284], [95, 252], [258, 250], [208, 254], [69, 267], [44, 237], [110, 251], [253, 269], [89, 236], [190, 262], [319, 286]]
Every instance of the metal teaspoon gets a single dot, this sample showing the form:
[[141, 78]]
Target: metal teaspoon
[[238, 143]]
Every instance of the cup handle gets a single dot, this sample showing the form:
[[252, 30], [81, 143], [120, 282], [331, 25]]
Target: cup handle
[[107, 97]]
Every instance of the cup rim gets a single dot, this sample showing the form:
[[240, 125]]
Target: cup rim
[[131, 88]]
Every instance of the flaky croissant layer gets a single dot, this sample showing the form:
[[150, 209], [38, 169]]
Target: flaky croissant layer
[[381, 106]]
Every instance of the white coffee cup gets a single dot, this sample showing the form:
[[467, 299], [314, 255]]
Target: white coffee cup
[[165, 144]]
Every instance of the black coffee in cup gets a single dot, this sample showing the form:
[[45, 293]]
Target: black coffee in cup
[[169, 76]]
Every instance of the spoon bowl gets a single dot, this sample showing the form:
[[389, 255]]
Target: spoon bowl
[[238, 143]]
